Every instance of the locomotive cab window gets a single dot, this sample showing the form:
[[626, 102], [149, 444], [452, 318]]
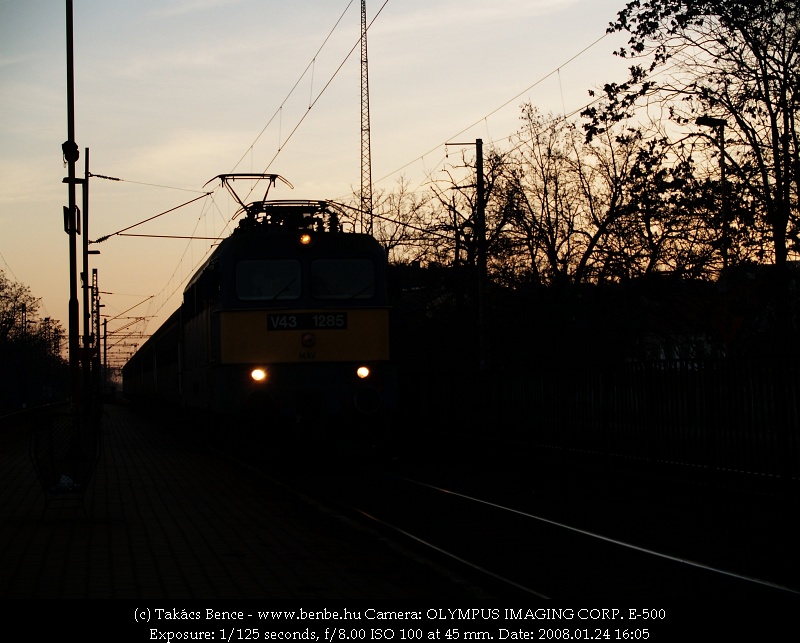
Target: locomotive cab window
[[342, 279], [268, 280]]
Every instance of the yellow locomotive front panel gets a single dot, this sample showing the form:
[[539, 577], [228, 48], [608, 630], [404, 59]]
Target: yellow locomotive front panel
[[304, 336]]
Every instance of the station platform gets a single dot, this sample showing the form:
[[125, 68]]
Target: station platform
[[163, 519]]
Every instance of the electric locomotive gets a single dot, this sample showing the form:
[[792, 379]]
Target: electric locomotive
[[287, 320]]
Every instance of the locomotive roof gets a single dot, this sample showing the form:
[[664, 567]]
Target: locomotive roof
[[274, 215], [275, 224]]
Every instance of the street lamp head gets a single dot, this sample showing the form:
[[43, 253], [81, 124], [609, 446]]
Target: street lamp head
[[710, 121]]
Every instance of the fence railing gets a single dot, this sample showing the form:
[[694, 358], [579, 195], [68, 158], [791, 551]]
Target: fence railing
[[719, 414]]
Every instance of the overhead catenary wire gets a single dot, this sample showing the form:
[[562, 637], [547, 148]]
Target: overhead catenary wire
[[282, 142], [9, 267], [152, 185], [278, 111], [195, 267], [170, 236], [555, 71], [322, 91], [160, 214], [247, 152], [484, 119], [564, 117], [148, 298], [123, 233], [407, 225], [314, 100]]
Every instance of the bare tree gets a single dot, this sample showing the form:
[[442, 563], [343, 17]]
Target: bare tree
[[30, 348], [575, 202], [669, 224], [738, 61], [399, 222], [17, 307], [457, 209], [545, 200]]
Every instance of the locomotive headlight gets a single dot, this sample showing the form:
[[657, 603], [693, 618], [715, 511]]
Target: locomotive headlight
[[258, 374], [362, 372], [305, 239]]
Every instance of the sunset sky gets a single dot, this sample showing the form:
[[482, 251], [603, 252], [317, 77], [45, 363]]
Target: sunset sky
[[170, 93]]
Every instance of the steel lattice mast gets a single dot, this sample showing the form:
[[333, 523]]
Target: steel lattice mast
[[366, 154]]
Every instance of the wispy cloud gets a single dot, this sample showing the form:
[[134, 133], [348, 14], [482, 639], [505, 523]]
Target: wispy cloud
[[472, 12], [184, 7], [10, 61]]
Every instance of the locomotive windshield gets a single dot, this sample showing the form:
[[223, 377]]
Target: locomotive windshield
[[280, 279], [268, 280], [342, 279]]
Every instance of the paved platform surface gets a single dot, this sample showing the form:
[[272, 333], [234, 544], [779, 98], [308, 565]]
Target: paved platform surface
[[163, 520]]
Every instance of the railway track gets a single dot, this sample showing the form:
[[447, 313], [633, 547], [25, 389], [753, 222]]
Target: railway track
[[514, 549], [548, 532]]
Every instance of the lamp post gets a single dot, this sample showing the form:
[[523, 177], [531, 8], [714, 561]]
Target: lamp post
[[719, 124]]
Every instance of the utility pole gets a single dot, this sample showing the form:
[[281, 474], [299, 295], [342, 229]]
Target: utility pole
[[87, 324], [71, 221], [483, 349], [366, 153], [105, 352], [95, 354], [480, 233]]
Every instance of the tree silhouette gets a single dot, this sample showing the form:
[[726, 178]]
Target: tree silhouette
[[739, 61], [31, 367]]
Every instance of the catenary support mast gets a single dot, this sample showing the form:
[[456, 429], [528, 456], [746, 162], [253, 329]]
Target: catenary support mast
[[366, 154]]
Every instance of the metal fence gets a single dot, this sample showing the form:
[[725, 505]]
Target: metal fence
[[725, 415]]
